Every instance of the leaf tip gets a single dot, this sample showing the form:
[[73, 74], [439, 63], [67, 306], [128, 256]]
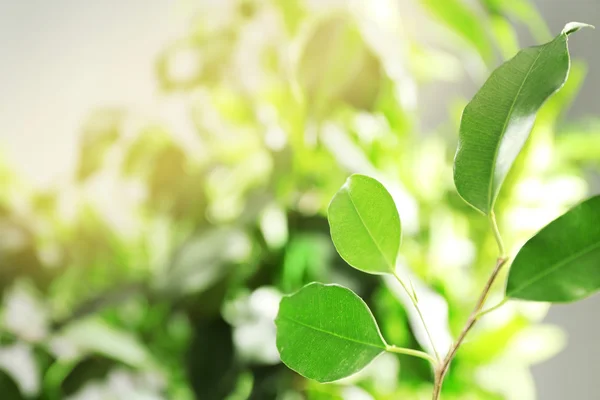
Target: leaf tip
[[574, 27]]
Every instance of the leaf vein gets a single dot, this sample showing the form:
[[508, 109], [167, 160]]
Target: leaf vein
[[388, 262], [382, 347], [503, 132]]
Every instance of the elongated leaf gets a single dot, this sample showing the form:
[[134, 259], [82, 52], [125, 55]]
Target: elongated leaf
[[498, 120], [365, 225], [561, 263], [327, 332]]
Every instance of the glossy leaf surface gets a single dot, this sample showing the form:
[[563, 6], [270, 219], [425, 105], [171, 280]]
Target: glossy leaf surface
[[496, 123], [327, 332], [561, 263], [365, 225]]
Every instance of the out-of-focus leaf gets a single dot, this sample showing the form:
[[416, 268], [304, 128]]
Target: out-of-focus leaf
[[306, 258], [243, 387], [336, 65], [464, 22], [95, 336], [497, 122], [580, 143], [537, 344], [505, 36], [205, 259], [211, 365], [365, 225], [9, 388], [188, 63], [141, 155], [252, 317], [18, 361], [90, 368], [100, 132], [524, 11], [327, 332], [561, 263]]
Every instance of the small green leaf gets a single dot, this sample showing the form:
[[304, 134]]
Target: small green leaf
[[327, 332], [496, 123], [561, 263], [365, 225]]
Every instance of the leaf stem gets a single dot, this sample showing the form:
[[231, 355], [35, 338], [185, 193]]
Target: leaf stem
[[497, 236], [477, 313], [411, 352], [494, 308], [413, 299]]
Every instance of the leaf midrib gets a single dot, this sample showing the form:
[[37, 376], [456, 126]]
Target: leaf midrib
[[556, 266], [382, 347], [503, 132], [388, 262]]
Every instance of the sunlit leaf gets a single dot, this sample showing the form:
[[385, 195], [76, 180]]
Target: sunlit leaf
[[327, 332], [497, 122], [561, 263], [365, 225]]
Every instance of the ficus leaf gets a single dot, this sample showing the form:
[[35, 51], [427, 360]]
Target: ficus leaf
[[561, 263], [327, 332], [498, 120], [365, 225]]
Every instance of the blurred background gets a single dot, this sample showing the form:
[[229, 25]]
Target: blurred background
[[165, 167]]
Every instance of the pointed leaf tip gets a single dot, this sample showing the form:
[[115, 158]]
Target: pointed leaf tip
[[574, 27]]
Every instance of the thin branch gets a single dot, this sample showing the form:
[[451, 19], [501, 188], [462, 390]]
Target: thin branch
[[442, 369], [411, 352], [413, 299], [475, 314]]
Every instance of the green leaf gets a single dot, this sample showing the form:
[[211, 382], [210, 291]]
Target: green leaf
[[336, 65], [561, 263], [327, 332], [498, 120], [365, 225]]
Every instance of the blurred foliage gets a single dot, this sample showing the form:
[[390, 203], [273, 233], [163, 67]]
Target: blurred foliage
[[156, 272]]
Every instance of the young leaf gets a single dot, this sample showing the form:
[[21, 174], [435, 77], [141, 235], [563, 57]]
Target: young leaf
[[561, 263], [498, 120], [365, 225], [327, 332]]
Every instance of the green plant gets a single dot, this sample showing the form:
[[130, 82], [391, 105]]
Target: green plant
[[326, 332]]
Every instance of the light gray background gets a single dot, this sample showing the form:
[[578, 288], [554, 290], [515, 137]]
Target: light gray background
[[107, 49]]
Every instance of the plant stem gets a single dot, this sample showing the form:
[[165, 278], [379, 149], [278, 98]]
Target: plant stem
[[411, 352], [475, 314], [443, 367], [415, 303], [497, 236]]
